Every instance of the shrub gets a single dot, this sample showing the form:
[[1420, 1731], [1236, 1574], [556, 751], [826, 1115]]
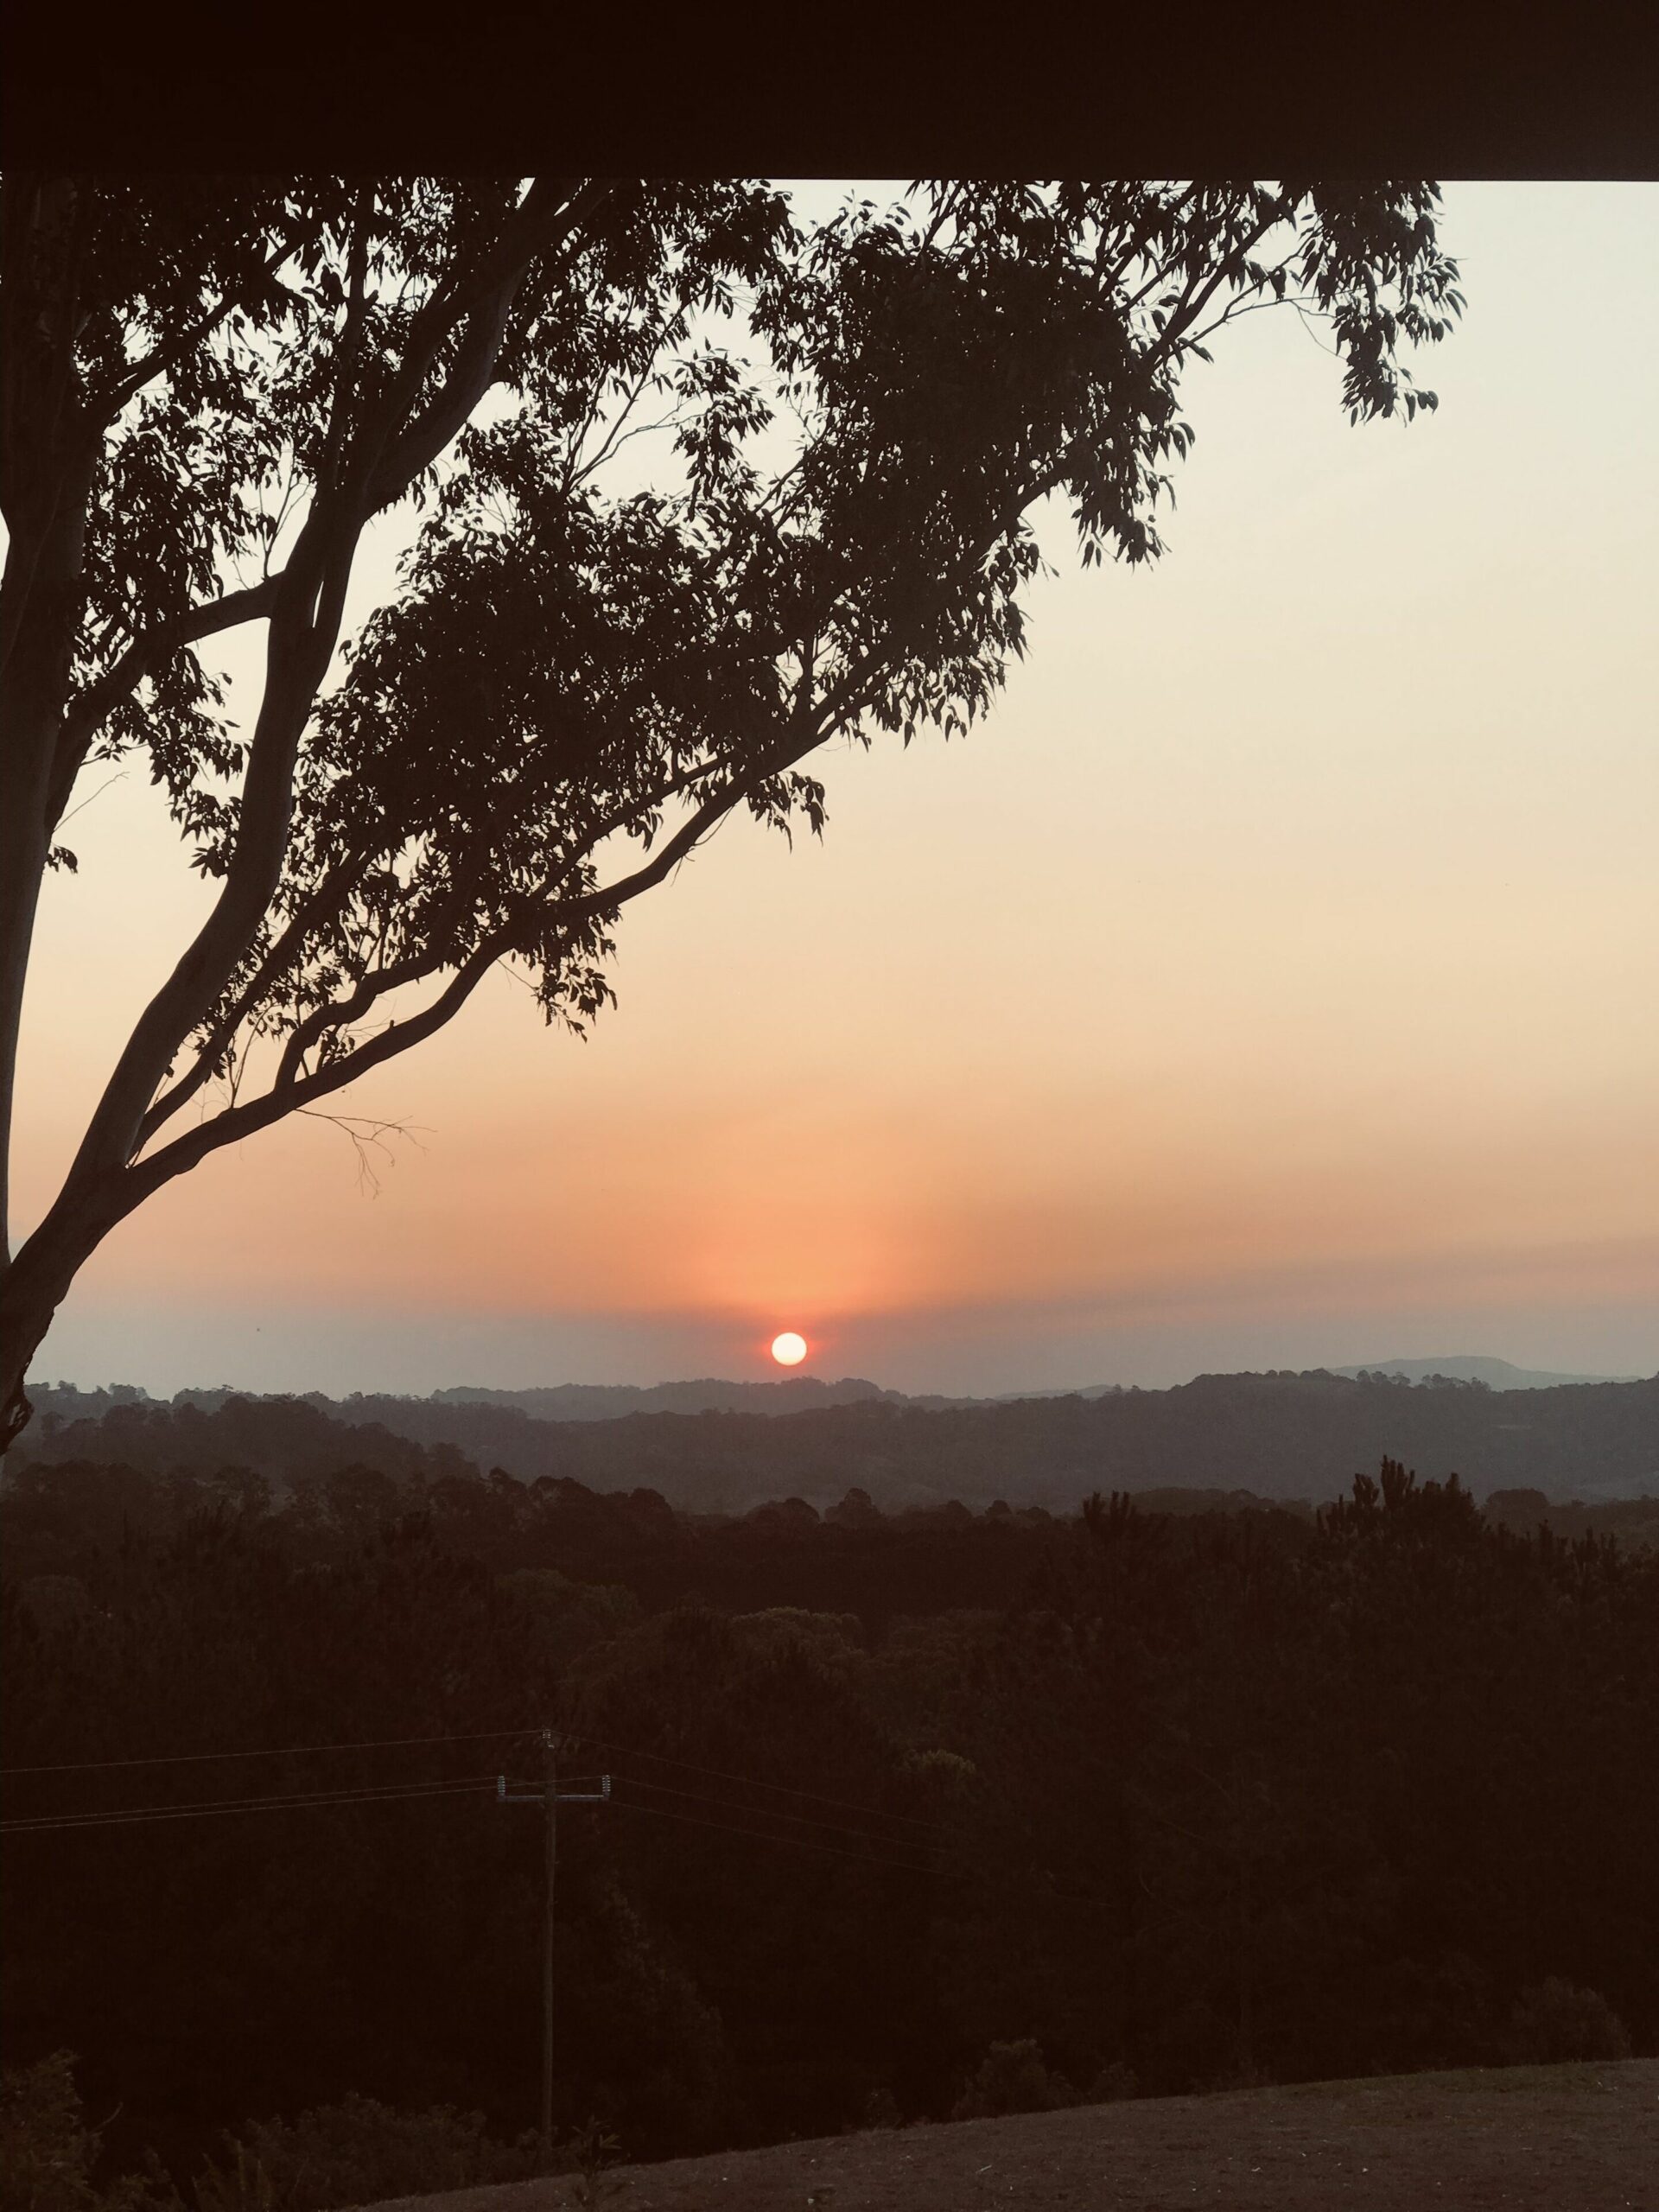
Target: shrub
[[1012, 2077], [590, 2153], [359, 2153], [47, 2152], [1112, 2084], [882, 2110], [1553, 2021]]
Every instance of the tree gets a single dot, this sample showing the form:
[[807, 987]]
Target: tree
[[213, 386], [47, 2152]]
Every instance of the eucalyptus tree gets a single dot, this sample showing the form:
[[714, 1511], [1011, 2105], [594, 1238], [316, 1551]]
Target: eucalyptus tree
[[211, 388]]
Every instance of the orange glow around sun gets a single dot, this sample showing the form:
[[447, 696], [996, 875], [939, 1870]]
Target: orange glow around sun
[[789, 1350]]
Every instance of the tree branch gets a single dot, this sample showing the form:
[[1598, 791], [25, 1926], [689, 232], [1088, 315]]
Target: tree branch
[[299, 1091], [87, 710], [326, 902], [110, 402], [149, 1175], [333, 891], [810, 724], [550, 216]]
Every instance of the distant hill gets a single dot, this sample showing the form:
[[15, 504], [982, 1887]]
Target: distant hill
[[1464, 1367], [1078, 1390], [612, 1401], [790, 1393], [1281, 1435]]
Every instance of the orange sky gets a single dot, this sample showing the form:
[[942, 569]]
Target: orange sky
[[1269, 982]]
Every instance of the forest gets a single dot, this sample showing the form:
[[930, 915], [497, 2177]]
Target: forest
[[912, 1813]]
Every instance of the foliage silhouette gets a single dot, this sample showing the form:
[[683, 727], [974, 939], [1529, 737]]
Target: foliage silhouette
[[48, 2153], [1555, 2022], [213, 387], [358, 2152], [1012, 2077]]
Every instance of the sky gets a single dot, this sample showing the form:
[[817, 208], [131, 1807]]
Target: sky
[[1269, 982]]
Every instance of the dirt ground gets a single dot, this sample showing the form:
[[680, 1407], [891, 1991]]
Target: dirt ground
[[1533, 2138]]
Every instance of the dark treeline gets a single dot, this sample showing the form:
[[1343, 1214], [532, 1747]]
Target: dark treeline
[[1280, 1436], [1219, 1792]]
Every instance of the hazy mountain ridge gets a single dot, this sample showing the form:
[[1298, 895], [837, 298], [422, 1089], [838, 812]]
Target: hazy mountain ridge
[[1464, 1367], [1280, 1435], [775, 1397], [707, 1394]]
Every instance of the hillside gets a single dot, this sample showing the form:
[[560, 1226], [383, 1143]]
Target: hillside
[[1278, 1435], [1464, 1367], [1534, 2138], [790, 1393]]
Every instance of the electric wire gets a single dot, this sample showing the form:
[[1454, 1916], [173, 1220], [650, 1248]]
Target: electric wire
[[281, 1751], [776, 1813], [394, 1792], [772, 1813], [760, 1835], [493, 1735], [900, 1866], [130, 1815], [405, 1792], [1054, 1889], [721, 1774], [398, 1793]]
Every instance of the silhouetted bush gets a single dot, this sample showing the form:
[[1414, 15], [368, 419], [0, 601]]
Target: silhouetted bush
[[1113, 2084], [47, 2151], [1554, 2022], [1012, 2077], [882, 2110], [358, 2152]]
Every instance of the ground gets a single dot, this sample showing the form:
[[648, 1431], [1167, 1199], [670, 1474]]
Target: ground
[[1528, 2138]]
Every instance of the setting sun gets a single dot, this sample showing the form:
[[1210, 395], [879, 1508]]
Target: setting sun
[[789, 1350]]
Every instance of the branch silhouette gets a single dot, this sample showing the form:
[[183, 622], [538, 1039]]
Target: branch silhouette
[[834, 542]]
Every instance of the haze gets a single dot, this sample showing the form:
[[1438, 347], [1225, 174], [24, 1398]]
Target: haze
[[1270, 982]]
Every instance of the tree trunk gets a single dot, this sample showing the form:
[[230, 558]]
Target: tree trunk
[[25, 775], [31, 710], [36, 1283], [19, 1341], [33, 700], [26, 1313], [48, 454]]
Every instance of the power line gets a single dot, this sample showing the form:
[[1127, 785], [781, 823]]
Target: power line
[[906, 1865], [404, 1792], [774, 1813], [130, 1815], [282, 1751], [760, 1835], [785, 1788], [769, 1812], [1067, 1895], [493, 1735], [123, 1815]]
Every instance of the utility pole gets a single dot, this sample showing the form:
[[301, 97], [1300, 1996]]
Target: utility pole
[[549, 1798]]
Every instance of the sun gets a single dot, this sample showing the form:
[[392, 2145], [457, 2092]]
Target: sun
[[789, 1350]]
